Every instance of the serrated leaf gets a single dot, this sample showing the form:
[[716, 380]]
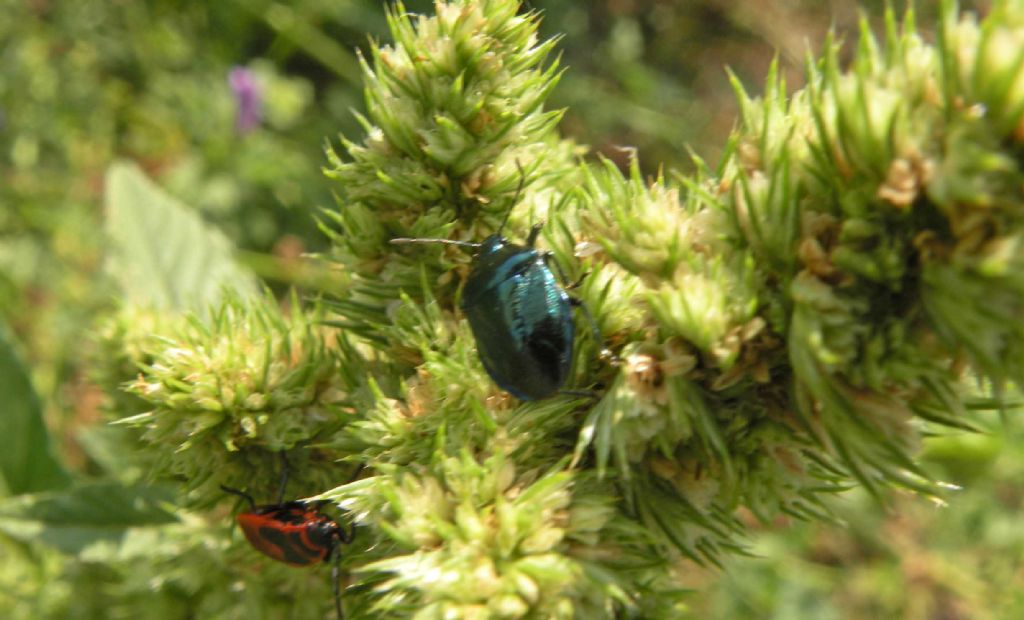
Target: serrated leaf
[[163, 255], [72, 519], [27, 464]]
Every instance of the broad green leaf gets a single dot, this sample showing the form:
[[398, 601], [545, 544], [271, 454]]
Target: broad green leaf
[[162, 253], [114, 449], [72, 519], [27, 464]]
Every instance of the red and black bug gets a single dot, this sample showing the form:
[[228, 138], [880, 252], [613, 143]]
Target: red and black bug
[[294, 532]]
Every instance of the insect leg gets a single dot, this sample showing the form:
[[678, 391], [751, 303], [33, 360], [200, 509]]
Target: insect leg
[[349, 536], [355, 474], [285, 467], [578, 281], [582, 305], [605, 353], [581, 393], [549, 260], [551, 263], [335, 573], [534, 233]]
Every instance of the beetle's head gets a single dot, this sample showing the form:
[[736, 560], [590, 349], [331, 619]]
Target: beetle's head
[[492, 244], [324, 532]]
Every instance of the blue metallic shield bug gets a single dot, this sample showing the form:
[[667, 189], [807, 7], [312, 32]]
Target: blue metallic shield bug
[[521, 317]]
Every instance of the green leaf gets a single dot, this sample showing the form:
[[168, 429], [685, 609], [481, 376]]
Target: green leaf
[[112, 448], [27, 464], [72, 519], [163, 255]]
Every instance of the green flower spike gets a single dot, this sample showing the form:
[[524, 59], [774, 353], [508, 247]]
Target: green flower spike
[[231, 391], [782, 327]]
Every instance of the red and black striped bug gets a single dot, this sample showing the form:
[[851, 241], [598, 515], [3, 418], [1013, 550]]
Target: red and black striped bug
[[295, 532]]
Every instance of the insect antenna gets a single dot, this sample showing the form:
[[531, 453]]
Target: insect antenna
[[341, 536], [515, 198], [410, 240], [242, 494]]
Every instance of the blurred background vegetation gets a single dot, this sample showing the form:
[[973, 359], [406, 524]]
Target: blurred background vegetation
[[85, 82]]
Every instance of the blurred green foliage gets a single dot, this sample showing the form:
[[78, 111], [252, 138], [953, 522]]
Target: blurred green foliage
[[82, 83], [648, 73], [908, 559], [85, 82]]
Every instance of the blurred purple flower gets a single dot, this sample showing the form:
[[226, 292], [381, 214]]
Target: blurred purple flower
[[248, 99]]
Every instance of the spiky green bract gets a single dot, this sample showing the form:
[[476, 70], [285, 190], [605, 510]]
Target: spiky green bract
[[476, 537], [972, 277], [857, 169], [791, 322], [693, 420], [231, 391], [455, 107], [123, 343], [483, 540]]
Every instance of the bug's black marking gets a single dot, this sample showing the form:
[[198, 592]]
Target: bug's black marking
[[292, 547]]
